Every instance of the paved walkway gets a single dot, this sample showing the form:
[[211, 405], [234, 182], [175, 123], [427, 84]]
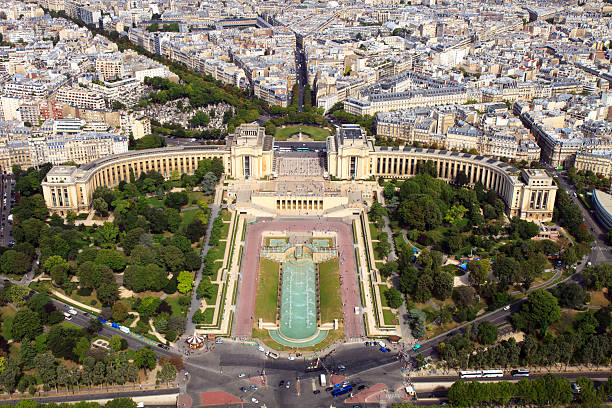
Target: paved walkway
[[371, 280], [74, 302], [541, 285], [195, 302], [386, 228]]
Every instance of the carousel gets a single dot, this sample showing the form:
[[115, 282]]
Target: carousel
[[195, 342]]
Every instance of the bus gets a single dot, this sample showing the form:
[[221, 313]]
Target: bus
[[470, 374], [302, 149], [342, 390], [492, 373], [520, 372]]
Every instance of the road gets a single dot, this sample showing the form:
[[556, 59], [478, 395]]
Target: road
[[300, 66], [601, 251], [98, 396]]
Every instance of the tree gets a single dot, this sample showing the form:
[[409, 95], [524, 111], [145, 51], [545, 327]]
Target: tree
[[131, 239], [205, 288], [463, 295], [18, 295], [26, 325], [106, 237], [80, 348], [569, 294], [121, 403], [177, 199], [167, 373], [145, 358], [487, 333], [209, 183], [14, 262], [588, 395], [185, 282], [538, 312], [106, 194], [394, 298], [27, 353], [62, 341], [173, 258], [569, 256], [377, 211], [107, 292], [111, 258], [479, 271], [45, 365], [59, 275], [116, 343], [461, 179], [120, 311], [195, 230], [100, 206], [442, 285], [94, 326], [9, 375], [416, 319], [507, 270]]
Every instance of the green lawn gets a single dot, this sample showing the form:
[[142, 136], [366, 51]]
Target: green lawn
[[317, 133], [267, 291], [226, 215], [383, 299], [329, 287], [155, 202], [208, 315], [215, 270], [187, 216], [389, 316], [198, 196], [218, 250], [177, 310], [374, 234], [225, 230], [269, 239]]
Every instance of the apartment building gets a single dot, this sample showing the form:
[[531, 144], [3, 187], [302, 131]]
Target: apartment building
[[599, 162], [108, 69], [271, 90], [80, 98]]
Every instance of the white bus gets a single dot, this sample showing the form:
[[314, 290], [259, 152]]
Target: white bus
[[492, 373], [323, 381], [470, 374], [520, 372]]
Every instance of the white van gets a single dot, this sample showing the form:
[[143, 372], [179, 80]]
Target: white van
[[356, 310]]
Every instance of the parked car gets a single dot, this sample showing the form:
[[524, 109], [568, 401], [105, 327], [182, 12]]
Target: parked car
[[241, 375], [315, 392], [281, 383], [288, 384], [255, 400], [72, 311], [243, 389]]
